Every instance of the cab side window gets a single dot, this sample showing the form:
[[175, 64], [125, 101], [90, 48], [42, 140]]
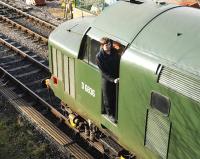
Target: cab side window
[[93, 51], [90, 50]]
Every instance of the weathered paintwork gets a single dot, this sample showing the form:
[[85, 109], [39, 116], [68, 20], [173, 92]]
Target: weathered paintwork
[[136, 83], [177, 45], [154, 39], [125, 20]]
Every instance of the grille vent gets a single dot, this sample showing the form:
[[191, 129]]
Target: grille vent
[[157, 133], [180, 82]]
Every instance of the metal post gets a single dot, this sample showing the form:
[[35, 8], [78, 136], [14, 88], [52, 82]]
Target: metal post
[[116, 102]]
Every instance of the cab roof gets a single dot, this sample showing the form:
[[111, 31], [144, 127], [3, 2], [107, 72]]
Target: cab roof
[[173, 38], [68, 36], [166, 32], [124, 20]]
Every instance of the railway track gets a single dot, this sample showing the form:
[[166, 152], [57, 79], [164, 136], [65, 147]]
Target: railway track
[[21, 72], [20, 80], [36, 28]]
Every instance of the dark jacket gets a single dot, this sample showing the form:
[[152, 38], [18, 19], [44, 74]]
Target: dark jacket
[[108, 64]]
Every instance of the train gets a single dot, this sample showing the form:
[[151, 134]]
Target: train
[[158, 95]]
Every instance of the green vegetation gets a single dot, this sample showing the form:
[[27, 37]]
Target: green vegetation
[[19, 141]]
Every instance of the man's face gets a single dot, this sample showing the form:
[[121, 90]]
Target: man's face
[[107, 47]]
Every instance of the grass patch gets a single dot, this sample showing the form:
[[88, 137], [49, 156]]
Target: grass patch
[[20, 140]]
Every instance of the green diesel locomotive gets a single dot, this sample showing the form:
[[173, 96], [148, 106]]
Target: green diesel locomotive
[[158, 98]]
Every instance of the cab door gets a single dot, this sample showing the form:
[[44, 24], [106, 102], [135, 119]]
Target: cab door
[[89, 78]]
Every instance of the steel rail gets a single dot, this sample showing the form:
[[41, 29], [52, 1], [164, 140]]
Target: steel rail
[[34, 95], [17, 50], [46, 127], [68, 145], [19, 26], [29, 16]]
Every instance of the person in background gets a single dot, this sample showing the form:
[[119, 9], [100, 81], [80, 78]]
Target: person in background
[[108, 62], [117, 45]]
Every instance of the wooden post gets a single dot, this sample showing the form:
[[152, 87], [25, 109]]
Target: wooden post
[[65, 9]]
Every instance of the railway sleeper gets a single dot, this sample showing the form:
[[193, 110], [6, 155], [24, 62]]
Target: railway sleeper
[[27, 52], [21, 95], [33, 56], [12, 65], [44, 111], [19, 47], [12, 88], [8, 56], [2, 13], [2, 36], [10, 26], [42, 61], [17, 17], [28, 73], [36, 40], [8, 9], [35, 82], [15, 29], [42, 90], [12, 17], [10, 42], [11, 62], [19, 68], [29, 36]]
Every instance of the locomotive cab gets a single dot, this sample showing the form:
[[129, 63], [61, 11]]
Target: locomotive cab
[[90, 46], [158, 108]]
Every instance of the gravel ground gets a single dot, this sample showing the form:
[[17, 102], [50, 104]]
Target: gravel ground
[[20, 38], [41, 12], [51, 12]]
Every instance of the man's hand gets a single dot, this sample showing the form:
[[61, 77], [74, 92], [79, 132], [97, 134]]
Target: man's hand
[[116, 80]]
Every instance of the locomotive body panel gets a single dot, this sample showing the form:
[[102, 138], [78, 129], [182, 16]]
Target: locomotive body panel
[[176, 45], [138, 79], [159, 87]]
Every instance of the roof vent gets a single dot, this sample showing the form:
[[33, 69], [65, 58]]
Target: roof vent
[[136, 2], [180, 82], [161, 3]]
